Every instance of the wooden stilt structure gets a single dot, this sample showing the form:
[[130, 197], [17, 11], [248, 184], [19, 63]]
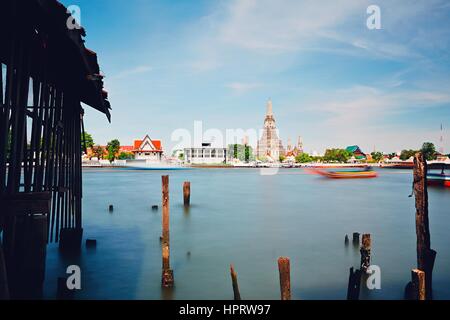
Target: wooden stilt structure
[[45, 74]]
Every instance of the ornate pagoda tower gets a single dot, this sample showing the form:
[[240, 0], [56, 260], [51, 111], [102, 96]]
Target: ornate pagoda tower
[[270, 145]]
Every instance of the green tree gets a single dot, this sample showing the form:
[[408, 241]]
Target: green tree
[[303, 158], [429, 151], [377, 156], [89, 140], [247, 153], [282, 158], [241, 152], [337, 155], [406, 154], [126, 156], [113, 149]]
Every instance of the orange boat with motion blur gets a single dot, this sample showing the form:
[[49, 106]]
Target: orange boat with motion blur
[[366, 173]]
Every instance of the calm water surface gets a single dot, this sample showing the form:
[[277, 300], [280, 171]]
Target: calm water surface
[[239, 216]]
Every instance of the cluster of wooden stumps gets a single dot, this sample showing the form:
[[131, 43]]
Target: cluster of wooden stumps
[[284, 270], [420, 287], [355, 275]]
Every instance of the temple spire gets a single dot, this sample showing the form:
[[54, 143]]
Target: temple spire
[[269, 107]]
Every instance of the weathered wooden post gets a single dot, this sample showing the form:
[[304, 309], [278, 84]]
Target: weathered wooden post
[[366, 245], [418, 278], [346, 240], [167, 274], [237, 295], [355, 238], [165, 211], [285, 277], [187, 193], [354, 283], [425, 255]]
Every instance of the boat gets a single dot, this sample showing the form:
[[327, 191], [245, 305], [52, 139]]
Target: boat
[[397, 165], [149, 165], [368, 172], [439, 179], [334, 165]]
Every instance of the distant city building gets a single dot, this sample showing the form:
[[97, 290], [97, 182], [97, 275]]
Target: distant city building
[[147, 149], [205, 155], [270, 146]]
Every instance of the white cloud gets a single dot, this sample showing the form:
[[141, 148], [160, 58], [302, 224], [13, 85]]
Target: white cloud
[[131, 72], [359, 115], [242, 87], [282, 25]]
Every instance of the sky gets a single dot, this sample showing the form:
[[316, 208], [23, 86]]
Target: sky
[[332, 80]]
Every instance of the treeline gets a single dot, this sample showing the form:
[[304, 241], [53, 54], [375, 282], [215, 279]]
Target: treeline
[[342, 155], [111, 152]]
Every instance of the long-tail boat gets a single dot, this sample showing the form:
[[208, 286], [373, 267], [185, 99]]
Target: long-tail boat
[[368, 172]]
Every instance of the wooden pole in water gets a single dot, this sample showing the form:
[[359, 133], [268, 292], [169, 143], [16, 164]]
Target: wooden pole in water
[[418, 284], [167, 274], [165, 210], [425, 255], [285, 277], [354, 283], [237, 295], [187, 193], [356, 238], [365, 252], [165, 257]]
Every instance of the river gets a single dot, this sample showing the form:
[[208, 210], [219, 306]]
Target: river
[[242, 217]]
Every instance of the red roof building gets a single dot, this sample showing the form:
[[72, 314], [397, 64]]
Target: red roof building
[[147, 149]]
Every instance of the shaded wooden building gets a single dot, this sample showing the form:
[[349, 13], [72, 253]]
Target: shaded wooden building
[[46, 73]]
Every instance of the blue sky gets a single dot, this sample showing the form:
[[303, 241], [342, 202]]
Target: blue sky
[[331, 79]]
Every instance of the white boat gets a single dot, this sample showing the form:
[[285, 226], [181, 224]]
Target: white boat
[[150, 165]]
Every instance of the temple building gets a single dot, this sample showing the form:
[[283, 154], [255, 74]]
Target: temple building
[[293, 151], [356, 152], [147, 149], [270, 146]]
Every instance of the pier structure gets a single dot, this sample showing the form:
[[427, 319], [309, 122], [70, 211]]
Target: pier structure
[[46, 72]]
